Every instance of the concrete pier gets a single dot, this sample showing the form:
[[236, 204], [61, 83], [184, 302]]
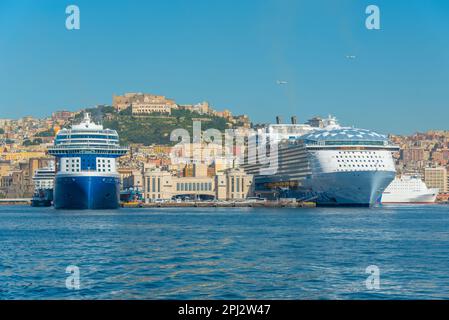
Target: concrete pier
[[240, 204], [8, 202]]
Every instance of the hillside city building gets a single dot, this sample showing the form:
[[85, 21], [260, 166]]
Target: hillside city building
[[142, 103]]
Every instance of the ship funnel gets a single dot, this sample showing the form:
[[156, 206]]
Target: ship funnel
[[294, 120], [278, 120]]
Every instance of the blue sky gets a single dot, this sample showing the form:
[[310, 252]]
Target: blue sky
[[231, 53]]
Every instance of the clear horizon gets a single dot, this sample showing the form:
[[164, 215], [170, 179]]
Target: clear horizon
[[231, 54]]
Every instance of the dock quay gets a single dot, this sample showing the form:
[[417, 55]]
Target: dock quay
[[8, 202], [237, 204], [198, 204]]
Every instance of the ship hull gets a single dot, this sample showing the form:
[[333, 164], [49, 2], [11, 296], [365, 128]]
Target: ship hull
[[91, 191], [410, 199], [333, 189], [40, 203], [349, 189]]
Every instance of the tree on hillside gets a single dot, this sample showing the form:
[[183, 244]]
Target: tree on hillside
[[46, 133]]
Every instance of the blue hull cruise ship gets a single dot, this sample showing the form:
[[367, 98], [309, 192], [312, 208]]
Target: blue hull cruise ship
[[86, 175]]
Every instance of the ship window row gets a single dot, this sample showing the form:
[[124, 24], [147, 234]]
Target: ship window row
[[355, 143], [357, 169], [353, 152], [78, 140], [377, 161], [69, 143], [361, 165], [84, 136], [360, 157], [102, 151], [86, 144]]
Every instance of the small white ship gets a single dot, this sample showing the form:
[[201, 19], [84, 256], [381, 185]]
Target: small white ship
[[44, 178], [408, 189], [43, 186]]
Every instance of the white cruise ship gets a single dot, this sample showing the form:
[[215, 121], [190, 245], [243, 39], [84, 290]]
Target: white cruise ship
[[408, 189], [44, 178], [43, 186], [332, 165]]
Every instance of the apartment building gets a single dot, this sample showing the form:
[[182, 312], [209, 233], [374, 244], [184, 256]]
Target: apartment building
[[436, 178]]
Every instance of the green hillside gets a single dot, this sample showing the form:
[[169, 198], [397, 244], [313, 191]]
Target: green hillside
[[153, 128]]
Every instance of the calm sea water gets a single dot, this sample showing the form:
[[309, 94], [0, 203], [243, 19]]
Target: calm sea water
[[218, 253]]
